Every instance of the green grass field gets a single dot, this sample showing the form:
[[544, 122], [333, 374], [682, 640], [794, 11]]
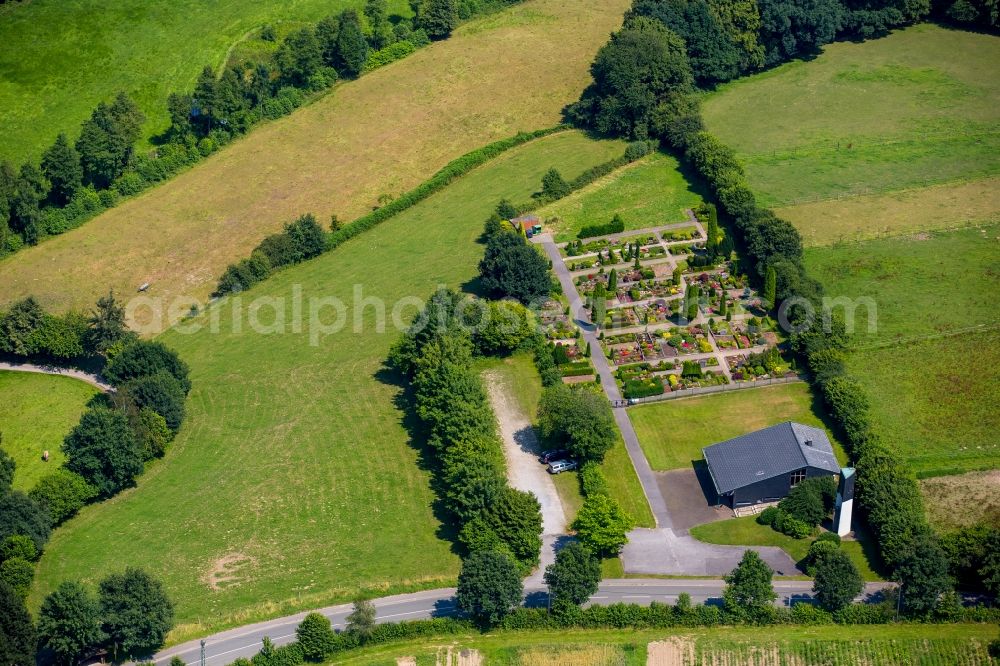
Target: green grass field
[[937, 401], [647, 193], [617, 467], [747, 532], [36, 413], [910, 211], [294, 481], [332, 157], [920, 106], [934, 356], [61, 58], [922, 285], [831, 645], [673, 432]]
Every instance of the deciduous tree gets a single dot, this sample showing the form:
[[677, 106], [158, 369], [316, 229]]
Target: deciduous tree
[[69, 623], [19, 514], [489, 586], [837, 580], [577, 419], [361, 621], [17, 631], [748, 592], [315, 636], [136, 612], [573, 577], [103, 450], [602, 525]]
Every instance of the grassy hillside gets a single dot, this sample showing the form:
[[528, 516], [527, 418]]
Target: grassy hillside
[[36, 413], [878, 645], [907, 211], [923, 285], [62, 57], [918, 107], [647, 193], [936, 401], [932, 360], [294, 482], [674, 432], [380, 135]]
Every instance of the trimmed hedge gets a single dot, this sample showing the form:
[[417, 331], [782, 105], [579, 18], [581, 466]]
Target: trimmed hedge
[[454, 169]]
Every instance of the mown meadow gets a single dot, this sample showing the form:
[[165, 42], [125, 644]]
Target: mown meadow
[[915, 108], [931, 362], [296, 479], [335, 156], [651, 192], [674, 432], [36, 413], [61, 58]]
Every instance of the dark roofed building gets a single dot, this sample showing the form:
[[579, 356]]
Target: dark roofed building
[[764, 466]]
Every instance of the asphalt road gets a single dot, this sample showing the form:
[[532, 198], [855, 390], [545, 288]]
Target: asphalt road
[[223, 648]]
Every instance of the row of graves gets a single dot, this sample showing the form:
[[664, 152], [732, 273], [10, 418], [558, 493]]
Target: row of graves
[[569, 352]]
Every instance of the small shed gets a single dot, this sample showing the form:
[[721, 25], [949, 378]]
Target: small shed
[[529, 225], [765, 465]]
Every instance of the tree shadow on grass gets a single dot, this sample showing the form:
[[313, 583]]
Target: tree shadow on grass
[[427, 461]]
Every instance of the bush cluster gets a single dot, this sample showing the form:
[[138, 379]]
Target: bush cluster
[[302, 239]]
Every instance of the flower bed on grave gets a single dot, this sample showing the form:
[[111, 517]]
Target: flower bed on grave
[[638, 381], [684, 233]]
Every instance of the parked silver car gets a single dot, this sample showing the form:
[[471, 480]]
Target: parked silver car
[[557, 466]]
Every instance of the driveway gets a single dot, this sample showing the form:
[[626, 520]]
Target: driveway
[[688, 494], [524, 472]]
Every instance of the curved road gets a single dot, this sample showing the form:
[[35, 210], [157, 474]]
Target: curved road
[[92, 379], [224, 647]]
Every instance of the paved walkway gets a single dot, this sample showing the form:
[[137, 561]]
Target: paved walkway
[[659, 550], [92, 379]]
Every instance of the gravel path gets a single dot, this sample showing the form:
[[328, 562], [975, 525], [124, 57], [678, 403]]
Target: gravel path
[[91, 379], [524, 472]]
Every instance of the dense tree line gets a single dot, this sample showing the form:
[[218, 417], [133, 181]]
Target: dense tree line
[[129, 615], [725, 40], [75, 180], [638, 57], [436, 356]]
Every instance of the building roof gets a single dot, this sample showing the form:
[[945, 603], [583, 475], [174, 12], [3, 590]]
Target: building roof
[[764, 454]]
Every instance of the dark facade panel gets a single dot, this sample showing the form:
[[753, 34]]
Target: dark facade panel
[[770, 490]]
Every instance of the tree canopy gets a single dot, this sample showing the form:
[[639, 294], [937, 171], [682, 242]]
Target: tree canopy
[[17, 631], [748, 592], [602, 525], [836, 580], [573, 577], [136, 612], [69, 623], [511, 268], [489, 586], [103, 450], [641, 64], [577, 419]]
